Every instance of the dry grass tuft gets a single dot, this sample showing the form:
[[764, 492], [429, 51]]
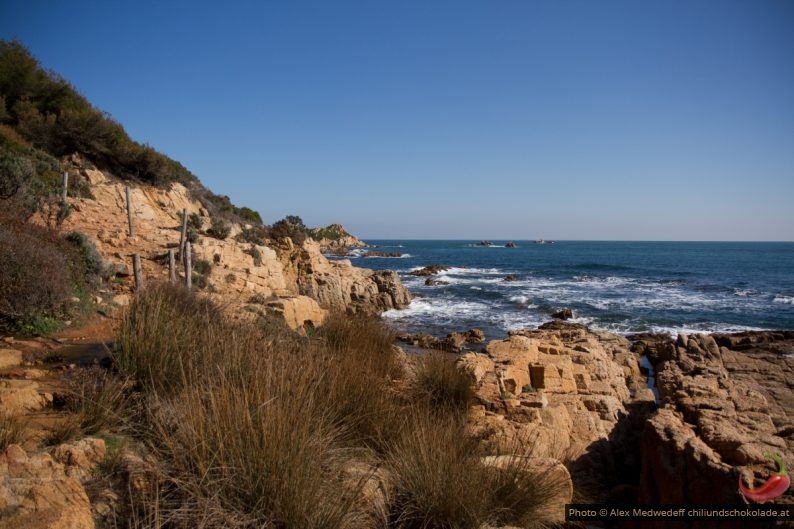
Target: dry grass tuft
[[12, 431], [438, 379], [260, 428]]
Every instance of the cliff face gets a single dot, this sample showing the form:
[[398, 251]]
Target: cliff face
[[294, 282]]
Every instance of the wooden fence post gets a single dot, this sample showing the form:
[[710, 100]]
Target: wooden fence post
[[136, 268], [188, 267], [183, 233], [129, 213], [171, 266], [65, 186]]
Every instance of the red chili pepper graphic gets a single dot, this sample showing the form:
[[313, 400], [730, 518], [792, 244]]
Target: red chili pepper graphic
[[774, 486]]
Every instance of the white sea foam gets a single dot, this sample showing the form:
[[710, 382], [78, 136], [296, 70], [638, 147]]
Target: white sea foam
[[782, 298], [438, 308]]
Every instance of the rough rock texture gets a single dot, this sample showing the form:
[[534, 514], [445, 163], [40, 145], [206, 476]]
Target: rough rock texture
[[239, 270], [20, 396], [38, 492], [568, 392], [727, 399], [10, 358], [338, 284], [455, 342]]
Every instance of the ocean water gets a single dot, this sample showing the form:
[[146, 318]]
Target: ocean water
[[624, 287]]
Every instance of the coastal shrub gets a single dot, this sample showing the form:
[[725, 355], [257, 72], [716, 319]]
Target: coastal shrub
[[194, 221], [291, 227], [36, 279], [219, 229], [202, 267], [254, 235], [438, 380], [94, 265]]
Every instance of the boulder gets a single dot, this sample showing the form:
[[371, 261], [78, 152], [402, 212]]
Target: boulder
[[429, 270], [36, 493], [20, 396], [564, 314]]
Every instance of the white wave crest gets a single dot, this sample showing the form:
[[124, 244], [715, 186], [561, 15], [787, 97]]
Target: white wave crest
[[782, 298]]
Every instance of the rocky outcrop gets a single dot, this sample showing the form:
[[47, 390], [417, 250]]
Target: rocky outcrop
[[429, 270], [236, 270], [335, 239], [37, 491], [726, 399], [19, 396], [568, 392], [455, 342]]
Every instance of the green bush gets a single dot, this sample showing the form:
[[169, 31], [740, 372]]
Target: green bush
[[202, 267], [254, 235], [291, 227], [93, 263], [219, 229]]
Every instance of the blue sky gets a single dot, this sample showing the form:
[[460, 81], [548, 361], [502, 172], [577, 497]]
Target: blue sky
[[454, 119]]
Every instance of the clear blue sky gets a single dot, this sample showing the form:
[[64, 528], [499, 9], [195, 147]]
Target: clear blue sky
[[454, 119]]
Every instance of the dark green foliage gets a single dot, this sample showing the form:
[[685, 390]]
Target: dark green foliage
[[249, 214], [52, 115], [191, 235], [254, 235], [93, 263], [291, 227], [332, 232], [202, 266], [200, 281], [224, 206], [194, 221], [15, 172], [219, 229]]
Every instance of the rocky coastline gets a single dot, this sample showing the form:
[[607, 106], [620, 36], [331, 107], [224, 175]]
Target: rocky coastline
[[628, 420]]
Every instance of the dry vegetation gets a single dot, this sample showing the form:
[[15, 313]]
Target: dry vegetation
[[255, 427]]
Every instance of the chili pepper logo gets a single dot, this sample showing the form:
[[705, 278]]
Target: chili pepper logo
[[774, 487]]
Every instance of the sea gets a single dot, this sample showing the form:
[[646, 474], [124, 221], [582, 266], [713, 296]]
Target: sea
[[622, 287]]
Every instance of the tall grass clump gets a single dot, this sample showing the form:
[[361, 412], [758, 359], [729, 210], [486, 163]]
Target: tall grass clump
[[435, 471], [266, 428], [439, 381], [361, 364], [12, 431], [163, 333], [441, 480], [236, 413]]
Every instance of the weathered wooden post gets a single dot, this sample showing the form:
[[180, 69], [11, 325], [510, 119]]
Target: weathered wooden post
[[188, 267], [136, 270], [171, 265], [183, 233], [65, 186], [129, 212]]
